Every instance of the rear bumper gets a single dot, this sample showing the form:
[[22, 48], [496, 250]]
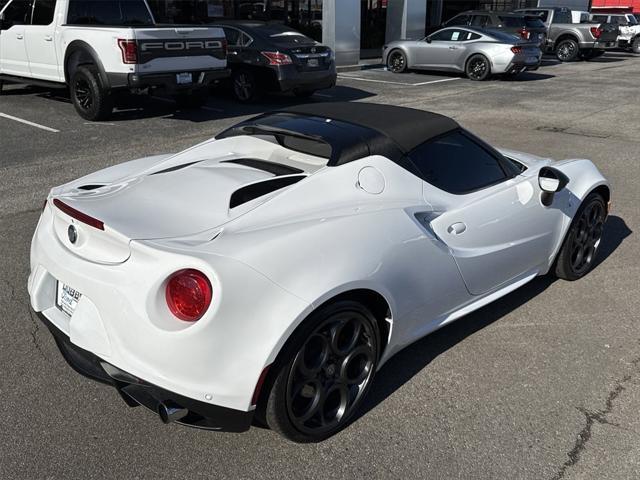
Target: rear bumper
[[136, 391], [289, 78], [166, 80]]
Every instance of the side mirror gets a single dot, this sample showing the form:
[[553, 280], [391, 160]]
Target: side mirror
[[551, 180], [427, 39]]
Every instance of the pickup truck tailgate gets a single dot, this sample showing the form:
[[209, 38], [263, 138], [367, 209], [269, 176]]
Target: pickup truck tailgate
[[162, 49]]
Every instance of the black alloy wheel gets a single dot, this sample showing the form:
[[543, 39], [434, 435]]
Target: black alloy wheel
[[327, 376], [568, 50], [397, 61], [581, 244], [245, 86], [478, 68], [89, 98]]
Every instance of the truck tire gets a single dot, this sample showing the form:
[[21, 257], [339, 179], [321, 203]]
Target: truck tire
[[635, 45], [567, 50], [194, 99], [91, 100]]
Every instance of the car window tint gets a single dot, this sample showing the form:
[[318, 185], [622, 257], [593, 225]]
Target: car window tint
[[599, 18], [511, 22], [443, 35], [109, 12], [233, 36], [43, 12], [463, 35], [17, 12], [632, 20], [456, 164], [541, 14], [562, 16], [245, 40], [473, 36], [532, 22], [459, 20], [479, 20]]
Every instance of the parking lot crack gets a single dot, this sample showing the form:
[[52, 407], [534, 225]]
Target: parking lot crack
[[593, 417], [34, 335]]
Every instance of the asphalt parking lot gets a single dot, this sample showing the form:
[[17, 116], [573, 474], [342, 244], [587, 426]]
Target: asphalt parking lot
[[542, 384]]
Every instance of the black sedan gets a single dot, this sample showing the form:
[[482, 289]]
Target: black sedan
[[267, 57]]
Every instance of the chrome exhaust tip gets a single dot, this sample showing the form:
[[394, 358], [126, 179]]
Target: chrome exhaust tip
[[171, 412]]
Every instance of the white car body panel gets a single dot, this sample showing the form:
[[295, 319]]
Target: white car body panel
[[367, 224]]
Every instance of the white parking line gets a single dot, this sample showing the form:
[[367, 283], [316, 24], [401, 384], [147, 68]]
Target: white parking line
[[27, 122], [397, 83]]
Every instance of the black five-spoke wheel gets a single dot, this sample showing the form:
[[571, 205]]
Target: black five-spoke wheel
[[579, 250], [327, 376]]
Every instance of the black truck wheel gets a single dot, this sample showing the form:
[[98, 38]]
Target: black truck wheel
[[91, 100]]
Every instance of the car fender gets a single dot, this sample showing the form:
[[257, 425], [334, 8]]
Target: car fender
[[584, 178], [78, 53]]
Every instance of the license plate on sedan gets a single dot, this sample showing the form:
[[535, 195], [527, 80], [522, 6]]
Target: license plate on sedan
[[313, 62], [67, 298], [184, 78]]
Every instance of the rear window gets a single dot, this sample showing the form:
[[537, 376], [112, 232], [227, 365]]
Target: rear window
[[512, 21], [531, 22], [504, 36], [109, 12]]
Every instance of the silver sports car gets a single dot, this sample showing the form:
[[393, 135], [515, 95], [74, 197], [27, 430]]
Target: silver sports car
[[478, 53]]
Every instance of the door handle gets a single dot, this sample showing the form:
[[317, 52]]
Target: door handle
[[48, 38], [456, 228], [452, 47], [19, 36]]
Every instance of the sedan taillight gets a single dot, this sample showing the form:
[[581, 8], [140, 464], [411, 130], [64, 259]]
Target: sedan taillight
[[524, 33], [516, 49], [277, 58], [188, 294], [129, 49]]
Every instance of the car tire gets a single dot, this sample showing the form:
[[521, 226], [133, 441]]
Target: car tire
[[635, 46], [194, 99], [397, 61], [245, 87], [567, 50], [323, 373], [478, 68], [582, 241], [303, 93], [91, 100]]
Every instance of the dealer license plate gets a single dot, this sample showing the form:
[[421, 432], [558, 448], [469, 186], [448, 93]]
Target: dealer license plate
[[312, 62], [67, 298], [184, 78]]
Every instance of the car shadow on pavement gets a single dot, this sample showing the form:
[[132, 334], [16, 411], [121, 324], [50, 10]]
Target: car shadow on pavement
[[410, 361], [527, 77]]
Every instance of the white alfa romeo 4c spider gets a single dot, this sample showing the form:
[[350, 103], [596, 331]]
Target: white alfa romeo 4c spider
[[267, 274]]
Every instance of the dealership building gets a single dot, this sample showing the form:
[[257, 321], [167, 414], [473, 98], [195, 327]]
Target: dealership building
[[355, 29]]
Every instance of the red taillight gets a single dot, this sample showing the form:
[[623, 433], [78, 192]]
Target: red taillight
[[596, 32], [516, 49], [129, 50], [277, 58], [524, 33], [81, 217], [188, 294]]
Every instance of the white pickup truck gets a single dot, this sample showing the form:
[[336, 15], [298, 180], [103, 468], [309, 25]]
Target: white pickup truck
[[101, 47], [628, 27]]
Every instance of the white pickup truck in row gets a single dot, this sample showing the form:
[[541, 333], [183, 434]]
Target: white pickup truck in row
[[100, 47]]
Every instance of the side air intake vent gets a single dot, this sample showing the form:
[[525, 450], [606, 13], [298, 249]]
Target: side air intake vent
[[276, 168], [89, 187], [255, 190]]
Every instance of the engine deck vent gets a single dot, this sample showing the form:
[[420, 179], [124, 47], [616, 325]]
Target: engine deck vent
[[255, 190], [276, 168]]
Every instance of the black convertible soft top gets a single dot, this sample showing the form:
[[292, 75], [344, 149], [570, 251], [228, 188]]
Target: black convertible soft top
[[352, 130], [406, 127]]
